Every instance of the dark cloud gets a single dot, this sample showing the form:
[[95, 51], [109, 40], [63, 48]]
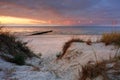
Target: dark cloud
[[61, 9], [58, 4], [40, 8]]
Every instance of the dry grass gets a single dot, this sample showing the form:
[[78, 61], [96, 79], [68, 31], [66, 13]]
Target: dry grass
[[91, 71], [89, 42], [8, 73], [111, 38], [11, 45], [115, 59], [35, 68], [67, 45]]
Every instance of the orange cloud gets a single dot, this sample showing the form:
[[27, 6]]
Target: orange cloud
[[16, 20]]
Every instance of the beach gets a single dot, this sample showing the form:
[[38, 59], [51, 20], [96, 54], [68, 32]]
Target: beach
[[59, 39], [52, 44], [88, 49]]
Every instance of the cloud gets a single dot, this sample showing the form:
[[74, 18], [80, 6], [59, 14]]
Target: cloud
[[55, 7], [60, 10]]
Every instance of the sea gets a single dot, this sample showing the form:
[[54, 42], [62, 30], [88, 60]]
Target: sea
[[51, 43], [66, 30]]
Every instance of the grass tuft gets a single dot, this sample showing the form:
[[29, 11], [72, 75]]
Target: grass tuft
[[103, 68], [111, 38], [10, 45], [91, 71], [19, 59], [67, 45], [89, 42]]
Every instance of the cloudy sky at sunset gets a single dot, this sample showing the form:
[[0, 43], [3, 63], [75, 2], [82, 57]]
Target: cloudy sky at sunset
[[60, 12]]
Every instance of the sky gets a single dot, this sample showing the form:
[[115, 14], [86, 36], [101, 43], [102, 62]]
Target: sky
[[60, 12]]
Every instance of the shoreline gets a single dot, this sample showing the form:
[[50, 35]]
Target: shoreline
[[79, 54], [43, 43]]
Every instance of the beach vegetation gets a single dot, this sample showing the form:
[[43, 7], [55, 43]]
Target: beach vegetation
[[89, 42], [19, 59], [13, 49], [91, 71], [111, 38], [67, 45]]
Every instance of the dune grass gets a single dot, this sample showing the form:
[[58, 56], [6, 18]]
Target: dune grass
[[89, 42], [67, 45], [12, 49], [90, 71], [111, 38]]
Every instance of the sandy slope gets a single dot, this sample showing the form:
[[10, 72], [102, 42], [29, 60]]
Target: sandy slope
[[50, 68], [52, 44]]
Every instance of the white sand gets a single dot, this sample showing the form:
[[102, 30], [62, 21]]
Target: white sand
[[52, 44], [50, 69]]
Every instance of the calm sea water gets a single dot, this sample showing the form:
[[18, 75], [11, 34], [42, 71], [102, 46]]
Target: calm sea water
[[68, 29]]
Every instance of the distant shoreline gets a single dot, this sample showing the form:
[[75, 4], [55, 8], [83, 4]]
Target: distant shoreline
[[66, 30]]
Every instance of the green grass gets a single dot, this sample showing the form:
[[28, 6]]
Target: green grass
[[19, 59], [11, 45]]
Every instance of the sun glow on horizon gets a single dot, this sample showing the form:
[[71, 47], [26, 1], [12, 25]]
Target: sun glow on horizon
[[15, 20]]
